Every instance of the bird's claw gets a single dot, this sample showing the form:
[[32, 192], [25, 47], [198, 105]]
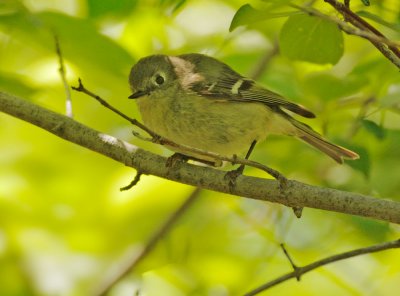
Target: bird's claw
[[231, 176], [174, 159]]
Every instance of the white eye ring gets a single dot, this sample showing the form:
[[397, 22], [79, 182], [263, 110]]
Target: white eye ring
[[159, 79]]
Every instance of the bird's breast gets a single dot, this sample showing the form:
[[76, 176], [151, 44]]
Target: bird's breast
[[225, 128]]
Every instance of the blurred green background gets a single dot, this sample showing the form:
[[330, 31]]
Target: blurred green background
[[64, 224]]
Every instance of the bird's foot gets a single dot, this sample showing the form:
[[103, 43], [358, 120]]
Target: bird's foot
[[231, 176], [176, 158]]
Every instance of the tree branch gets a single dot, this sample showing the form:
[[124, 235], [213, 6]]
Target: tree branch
[[359, 22], [61, 70], [155, 138], [346, 27], [299, 271], [388, 48], [127, 267], [296, 194], [263, 63], [390, 51]]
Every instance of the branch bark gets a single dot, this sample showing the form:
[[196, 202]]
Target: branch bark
[[296, 194]]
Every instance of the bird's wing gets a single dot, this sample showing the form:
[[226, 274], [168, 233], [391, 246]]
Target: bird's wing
[[241, 89], [210, 78]]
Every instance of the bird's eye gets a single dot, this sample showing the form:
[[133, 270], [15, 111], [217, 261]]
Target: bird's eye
[[159, 79]]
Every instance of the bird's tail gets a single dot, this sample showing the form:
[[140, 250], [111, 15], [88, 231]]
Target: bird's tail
[[308, 135]]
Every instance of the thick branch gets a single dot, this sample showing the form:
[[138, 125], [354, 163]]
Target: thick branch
[[296, 194], [155, 138]]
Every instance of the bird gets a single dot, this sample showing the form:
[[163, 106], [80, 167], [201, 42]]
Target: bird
[[198, 101]]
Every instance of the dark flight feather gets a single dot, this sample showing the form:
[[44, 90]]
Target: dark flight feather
[[231, 86]]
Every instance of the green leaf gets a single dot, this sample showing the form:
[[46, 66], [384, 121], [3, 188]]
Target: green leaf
[[83, 45], [14, 84], [177, 5], [366, 2], [374, 129], [375, 230], [363, 164], [311, 39], [247, 15], [329, 87], [244, 16], [108, 7], [373, 68]]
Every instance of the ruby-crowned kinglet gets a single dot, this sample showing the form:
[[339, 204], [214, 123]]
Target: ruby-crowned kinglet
[[198, 101]]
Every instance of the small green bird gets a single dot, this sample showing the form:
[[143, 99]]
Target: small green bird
[[198, 101]]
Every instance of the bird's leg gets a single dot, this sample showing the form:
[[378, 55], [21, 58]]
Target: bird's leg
[[177, 157], [232, 175]]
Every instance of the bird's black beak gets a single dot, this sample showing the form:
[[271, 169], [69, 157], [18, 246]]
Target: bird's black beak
[[138, 94]]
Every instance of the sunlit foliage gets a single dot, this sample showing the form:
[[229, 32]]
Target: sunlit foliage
[[64, 224]]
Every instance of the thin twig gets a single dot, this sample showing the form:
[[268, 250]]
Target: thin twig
[[360, 116], [61, 70], [133, 183], [81, 88], [349, 29], [359, 22], [299, 271], [155, 138], [260, 67], [150, 245], [381, 43], [295, 267], [390, 51]]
